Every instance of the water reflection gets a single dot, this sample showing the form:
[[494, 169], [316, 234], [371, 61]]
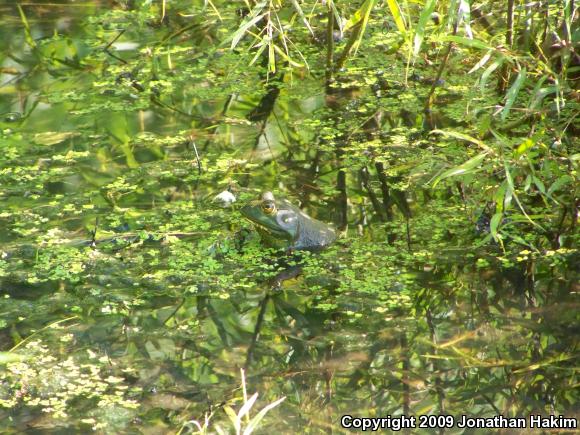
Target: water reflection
[[165, 309]]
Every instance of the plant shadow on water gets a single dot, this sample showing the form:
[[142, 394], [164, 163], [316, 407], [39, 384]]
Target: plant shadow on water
[[131, 299]]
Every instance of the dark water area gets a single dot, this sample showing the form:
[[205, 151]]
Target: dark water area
[[131, 299]]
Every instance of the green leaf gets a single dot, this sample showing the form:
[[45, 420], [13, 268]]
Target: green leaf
[[420, 29], [540, 94], [494, 65], [467, 167], [302, 16], [562, 181], [247, 406], [472, 43], [271, 57], [260, 50], [481, 62], [524, 147], [233, 418], [495, 223], [10, 357], [357, 16], [360, 17], [256, 420], [539, 184], [239, 34], [513, 92], [27, 34], [499, 197], [287, 58], [397, 16], [463, 136]]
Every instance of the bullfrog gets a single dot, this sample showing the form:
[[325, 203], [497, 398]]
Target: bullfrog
[[284, 225]]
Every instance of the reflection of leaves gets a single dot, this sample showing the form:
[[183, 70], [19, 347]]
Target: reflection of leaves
[[53, 137]]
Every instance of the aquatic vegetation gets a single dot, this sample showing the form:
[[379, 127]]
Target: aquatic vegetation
[[440, 140]]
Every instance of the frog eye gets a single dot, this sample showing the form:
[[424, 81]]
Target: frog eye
[[268, 207]]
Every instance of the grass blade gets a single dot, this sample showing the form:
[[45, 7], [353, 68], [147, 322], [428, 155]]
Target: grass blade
[[302, 16], [247, 406], [513, 92], [397, 15], [27, 34], [496, 63], [256, 420], [465, 137], [481, 62], [420, 29], [464, 168]]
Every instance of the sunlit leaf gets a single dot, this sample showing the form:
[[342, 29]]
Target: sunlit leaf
[[239, 34], [465, 16], [513, 92], [420, 29], [472, 43], [481, 62], [233, 418], [397, 15], [467, 167], [287, 58], [298, 9], [494, 224], [491, 68], [524, 147], [466, 137], [256, 420], [9, 357], [27, 34], [245, 409]]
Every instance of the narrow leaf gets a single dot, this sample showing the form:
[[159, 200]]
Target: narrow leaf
[[271, 57], [472, 43], [301, 14], [524, 147], [539, 184], [465, 16], [481, 62], [233, 418], [495, 64], [365, 20], [540, 94], [256, 420], [247, 406], [420, 29], [463, 136], [260, 50], [239, 34], [27, 34], [287, 58], [562, 181], [464, 168], [8, 357], [513, 92], [494, 224], [397, 16]]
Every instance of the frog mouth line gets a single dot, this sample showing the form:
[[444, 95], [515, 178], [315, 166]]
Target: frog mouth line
[[262, 227]]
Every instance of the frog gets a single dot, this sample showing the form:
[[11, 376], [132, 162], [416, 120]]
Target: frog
[[283, 225]]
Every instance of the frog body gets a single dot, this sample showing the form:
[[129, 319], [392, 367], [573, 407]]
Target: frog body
[[283, 225]]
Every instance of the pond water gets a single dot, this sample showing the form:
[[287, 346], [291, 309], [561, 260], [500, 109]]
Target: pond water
[[131, 299]]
